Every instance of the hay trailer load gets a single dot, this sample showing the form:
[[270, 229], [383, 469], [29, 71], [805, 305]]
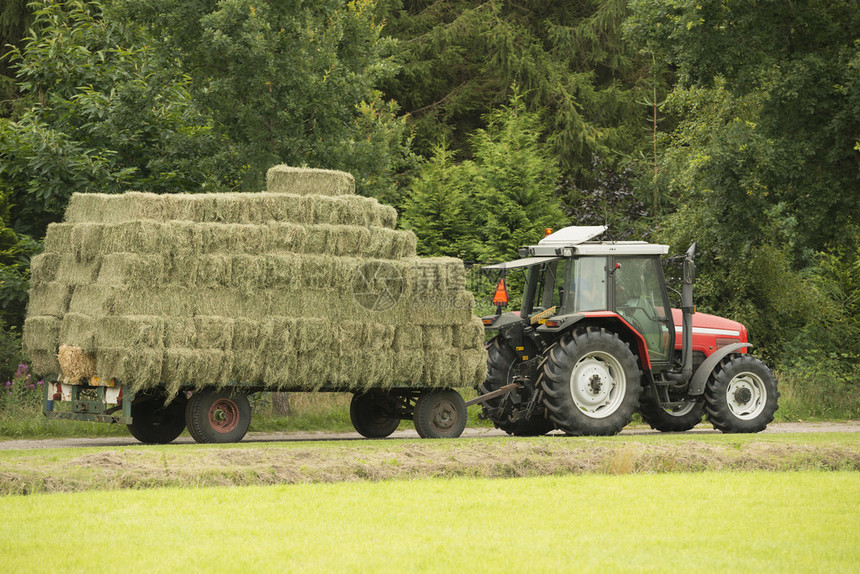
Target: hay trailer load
[[596, 340], [163, 312]]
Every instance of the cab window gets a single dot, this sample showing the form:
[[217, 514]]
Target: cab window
[[587, 285]]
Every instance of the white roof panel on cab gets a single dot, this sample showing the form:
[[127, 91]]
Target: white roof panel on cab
[[574, 240], [573, 235], [622, 248]]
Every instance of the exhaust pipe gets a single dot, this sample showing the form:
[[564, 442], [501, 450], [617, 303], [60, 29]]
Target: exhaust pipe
[[687, 311]]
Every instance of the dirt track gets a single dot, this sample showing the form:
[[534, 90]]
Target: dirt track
[[798, 427]]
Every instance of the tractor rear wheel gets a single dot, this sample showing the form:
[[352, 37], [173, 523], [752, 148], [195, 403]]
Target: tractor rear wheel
[[591, 383], [153, 422], [370, 414], [217, 416], [440, 414], [677, 419], [741, 395], [501, 361]]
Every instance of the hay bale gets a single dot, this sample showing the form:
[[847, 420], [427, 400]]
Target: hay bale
[[196, 368], [41, 336], [144, 271], [50, 299], [274, 288], [473, 366], [79, 331], [43, 268], [58, 238], [139, 368], [75, 364], [131, 331], [306, 181], [241, 208], [74, 273], [470, 335]]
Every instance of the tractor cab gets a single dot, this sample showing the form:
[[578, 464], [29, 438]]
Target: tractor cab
[[611, 297]]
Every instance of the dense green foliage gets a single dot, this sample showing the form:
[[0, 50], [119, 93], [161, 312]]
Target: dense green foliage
[[287, 82], [486, 208], [460, 59], [729, 123]]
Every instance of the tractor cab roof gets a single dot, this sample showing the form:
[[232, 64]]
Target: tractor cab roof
[[575, 240]]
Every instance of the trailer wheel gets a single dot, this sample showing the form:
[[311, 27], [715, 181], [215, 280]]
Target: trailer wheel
[[154, 423], [591, 383], [370, 414], [741, 395], [440, 414], [501, 360], [677, 419], [217, 416]]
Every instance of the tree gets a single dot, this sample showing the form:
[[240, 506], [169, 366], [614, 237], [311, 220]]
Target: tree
[[287, 82], [437, 204], [788, 77], [460, 58], [15, 18], [98, 114], [485, 209], [515, 188]]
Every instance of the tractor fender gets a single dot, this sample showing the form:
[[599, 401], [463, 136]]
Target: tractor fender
[[700, 377]]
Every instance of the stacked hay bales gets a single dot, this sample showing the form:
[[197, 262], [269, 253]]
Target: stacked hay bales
[[302, 287]]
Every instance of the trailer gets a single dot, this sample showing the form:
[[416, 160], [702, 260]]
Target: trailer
[[165, 311]]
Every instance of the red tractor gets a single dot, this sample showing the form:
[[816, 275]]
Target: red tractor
[[595, 340]]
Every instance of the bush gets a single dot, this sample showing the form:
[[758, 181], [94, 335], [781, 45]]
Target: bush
[[10, 351], [21, 392]]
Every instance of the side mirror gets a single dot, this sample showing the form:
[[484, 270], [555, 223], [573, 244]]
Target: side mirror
[[690, 265]]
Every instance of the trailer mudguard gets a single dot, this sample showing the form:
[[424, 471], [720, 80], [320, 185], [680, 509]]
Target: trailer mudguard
[[700, 377]]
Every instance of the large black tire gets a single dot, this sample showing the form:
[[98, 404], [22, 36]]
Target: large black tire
[[741, 395], [501, 360], [370, 414], [679, 419], [440, 414], [591, 383], [153, 422], [217, 416]]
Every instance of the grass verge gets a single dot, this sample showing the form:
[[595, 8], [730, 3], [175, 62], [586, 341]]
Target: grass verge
[[721, 522]]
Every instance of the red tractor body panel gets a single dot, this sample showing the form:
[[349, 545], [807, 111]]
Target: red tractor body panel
[[710, 332]]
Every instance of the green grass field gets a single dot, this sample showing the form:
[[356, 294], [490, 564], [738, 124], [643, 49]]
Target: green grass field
[[719, 522]]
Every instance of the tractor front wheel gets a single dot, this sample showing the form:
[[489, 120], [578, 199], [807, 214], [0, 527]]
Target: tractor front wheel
[[370, 414], [741, 395], [440, 414], [591, 383], [217, 416], [153, 422]]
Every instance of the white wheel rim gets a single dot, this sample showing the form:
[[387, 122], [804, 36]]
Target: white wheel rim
[[746, 396], [682, 410], [598, 384]]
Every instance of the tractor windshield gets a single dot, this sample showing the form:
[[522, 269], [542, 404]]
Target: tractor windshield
[[544, 287], [571, 285]]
